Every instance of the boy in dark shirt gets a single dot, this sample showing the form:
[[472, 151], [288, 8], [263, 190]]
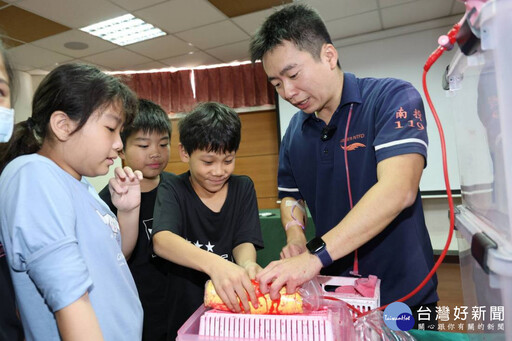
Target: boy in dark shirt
[[206, 220], [146, 144]]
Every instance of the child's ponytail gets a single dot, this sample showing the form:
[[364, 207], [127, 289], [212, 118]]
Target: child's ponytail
[[24, 140]]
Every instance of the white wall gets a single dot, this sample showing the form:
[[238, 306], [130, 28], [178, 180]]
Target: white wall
[[36, 80], [438, 224], [23, 96]]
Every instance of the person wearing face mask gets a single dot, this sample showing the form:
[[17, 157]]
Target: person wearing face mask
[[6, 112], [10, 325]]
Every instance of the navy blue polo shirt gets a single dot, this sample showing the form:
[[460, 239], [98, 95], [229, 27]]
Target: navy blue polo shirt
[[387, 120]]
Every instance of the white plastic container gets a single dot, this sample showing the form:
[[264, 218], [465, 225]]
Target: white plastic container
[[481, 87]]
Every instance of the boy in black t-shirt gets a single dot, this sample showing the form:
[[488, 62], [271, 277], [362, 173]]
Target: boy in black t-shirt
[[146, 144], [206, 220]]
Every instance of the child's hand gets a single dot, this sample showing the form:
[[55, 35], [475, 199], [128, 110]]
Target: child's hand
[[252, 268], [125, 189], [293, 248], [232, 283]]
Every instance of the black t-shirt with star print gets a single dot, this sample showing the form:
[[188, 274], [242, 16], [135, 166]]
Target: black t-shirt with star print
[[178, 209]]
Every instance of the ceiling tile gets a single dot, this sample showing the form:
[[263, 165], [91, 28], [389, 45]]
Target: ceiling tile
[[38, 72], [161, 47], [29, 55], [458, 7], [191, 60], [56, 43], [250, 23], [413, 12], [8, 42], [214, 35], [216, 38], [228, 53], [73, 13], [25, 26], [118, 58], [146, 66], [334, 9], [354, 25], [133, 5], [181, 15], [48, 68], [233, 8], [81, 61], [388, 3], [21, 67]]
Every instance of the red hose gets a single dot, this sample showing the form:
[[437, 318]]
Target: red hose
[[430, 61]]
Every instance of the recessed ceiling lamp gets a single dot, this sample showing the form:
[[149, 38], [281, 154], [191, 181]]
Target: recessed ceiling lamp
[[124, 30], [76, 45]]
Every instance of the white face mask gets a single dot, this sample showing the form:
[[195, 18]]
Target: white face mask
[[6, 124]]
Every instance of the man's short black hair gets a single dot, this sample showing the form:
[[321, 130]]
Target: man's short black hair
[[150, 118], [211, 126], [297, 23]]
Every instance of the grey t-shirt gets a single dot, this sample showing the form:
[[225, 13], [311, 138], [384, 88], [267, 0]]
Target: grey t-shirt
[[61, 240]]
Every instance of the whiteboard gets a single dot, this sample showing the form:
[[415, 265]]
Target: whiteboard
[[403, 57]]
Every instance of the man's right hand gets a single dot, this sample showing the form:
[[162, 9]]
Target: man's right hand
[[291, 272]]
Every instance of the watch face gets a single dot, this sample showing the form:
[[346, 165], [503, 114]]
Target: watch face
[[315, 245]]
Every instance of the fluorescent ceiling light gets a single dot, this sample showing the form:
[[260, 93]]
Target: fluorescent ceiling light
[[124, 30]]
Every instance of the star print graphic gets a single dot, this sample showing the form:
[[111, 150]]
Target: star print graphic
[[198, 244], [148, 226], [209, 247]]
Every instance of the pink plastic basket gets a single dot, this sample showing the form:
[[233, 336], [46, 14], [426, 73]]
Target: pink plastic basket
[[363, 304], [207, 324]]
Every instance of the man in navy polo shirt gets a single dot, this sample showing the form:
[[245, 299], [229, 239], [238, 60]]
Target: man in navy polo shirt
[[354, 153]]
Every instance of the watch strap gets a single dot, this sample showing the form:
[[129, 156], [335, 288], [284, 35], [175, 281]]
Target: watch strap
[[316, 246], [325, 257]]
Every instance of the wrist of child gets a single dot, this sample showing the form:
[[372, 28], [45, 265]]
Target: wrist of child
[[248, 263], [129, 210]]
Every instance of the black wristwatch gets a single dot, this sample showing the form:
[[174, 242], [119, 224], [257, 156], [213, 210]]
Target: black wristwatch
[[316, 246]]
